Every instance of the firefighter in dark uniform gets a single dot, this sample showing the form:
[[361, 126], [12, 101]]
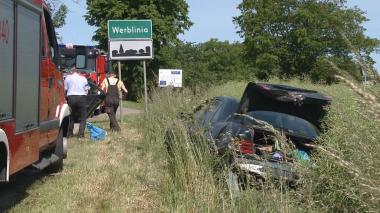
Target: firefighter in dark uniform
[[113, 88]]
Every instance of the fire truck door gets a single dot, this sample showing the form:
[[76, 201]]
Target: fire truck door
[[49, 94]]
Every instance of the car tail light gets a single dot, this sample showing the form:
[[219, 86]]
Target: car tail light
[[246, 147]]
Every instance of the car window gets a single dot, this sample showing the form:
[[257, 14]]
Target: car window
[[225, 109], [286, 122], [80, 62], [91, 61], [68, 62], [200, 112], [52, 40], [206, 112], [211, 111]]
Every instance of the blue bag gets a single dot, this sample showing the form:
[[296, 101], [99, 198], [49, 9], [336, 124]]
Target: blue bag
[[96, 133], [302, 155]]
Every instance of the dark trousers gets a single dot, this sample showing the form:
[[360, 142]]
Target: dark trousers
[[111, 112], [78, 107]]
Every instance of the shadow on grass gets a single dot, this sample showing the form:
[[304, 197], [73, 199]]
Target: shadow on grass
[[16, 190]]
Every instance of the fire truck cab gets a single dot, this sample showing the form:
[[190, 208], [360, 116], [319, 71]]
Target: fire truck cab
[[91, 61], [33, 114]]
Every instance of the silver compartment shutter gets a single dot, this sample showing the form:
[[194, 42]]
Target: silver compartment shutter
[[28, 66]]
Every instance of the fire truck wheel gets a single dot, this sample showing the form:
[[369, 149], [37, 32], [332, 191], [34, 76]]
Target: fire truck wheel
[[64, 147], [57, 166]]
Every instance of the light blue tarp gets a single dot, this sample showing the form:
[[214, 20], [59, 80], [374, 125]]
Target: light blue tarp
[[96, 133]]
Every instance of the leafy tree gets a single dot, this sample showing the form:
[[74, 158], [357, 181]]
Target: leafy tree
[[212, 62], [223, 60], [169, 18], [58, 12], [295, 35]]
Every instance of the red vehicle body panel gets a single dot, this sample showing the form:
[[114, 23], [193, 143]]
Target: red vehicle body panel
[[99, 74], [39, 2], [25, 147], [101, 67]]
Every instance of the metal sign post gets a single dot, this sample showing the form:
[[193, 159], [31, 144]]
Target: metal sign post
[[145, 88], [121, 98]]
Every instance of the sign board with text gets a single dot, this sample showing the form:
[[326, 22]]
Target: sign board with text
[[131, 40], [170, 78], [129, 29], [131, 50]]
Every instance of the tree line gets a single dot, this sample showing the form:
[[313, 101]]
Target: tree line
[[281, 38]]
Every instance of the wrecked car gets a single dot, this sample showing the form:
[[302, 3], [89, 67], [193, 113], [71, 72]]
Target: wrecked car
[[261, 135]]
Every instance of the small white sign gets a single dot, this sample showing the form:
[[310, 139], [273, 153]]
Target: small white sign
[[170, 78], [131, 50]]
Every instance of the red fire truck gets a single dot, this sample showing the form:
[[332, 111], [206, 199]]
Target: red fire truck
[[90, 60], [33, 114], [93, 63]]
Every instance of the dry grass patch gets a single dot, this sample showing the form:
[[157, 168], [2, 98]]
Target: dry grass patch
[[114, 175]]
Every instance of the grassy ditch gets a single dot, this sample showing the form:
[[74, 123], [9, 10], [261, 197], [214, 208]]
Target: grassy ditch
[[344, 175], [133, 171]]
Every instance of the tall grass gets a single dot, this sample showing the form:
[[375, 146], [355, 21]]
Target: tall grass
[[190, 184], [344, 176]]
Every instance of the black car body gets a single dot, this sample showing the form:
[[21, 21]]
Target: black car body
[[212, 114], [247, 128], [94, 99]]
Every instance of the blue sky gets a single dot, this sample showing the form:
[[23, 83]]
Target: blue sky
[[212, 19]]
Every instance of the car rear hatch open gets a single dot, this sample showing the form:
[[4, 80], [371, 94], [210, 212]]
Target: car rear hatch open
[[306, 104]]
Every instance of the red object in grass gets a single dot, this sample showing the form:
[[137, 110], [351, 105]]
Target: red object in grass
[[246, 147]]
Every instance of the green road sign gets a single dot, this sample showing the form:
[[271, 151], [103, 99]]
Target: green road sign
[[129, 29]]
